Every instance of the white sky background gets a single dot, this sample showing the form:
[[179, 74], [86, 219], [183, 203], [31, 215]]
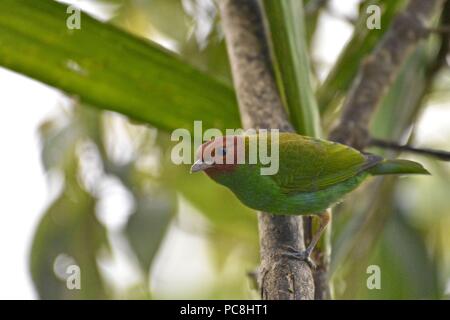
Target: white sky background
[[25, 103]]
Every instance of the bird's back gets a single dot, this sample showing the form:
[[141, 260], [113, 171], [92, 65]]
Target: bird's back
[[309, 164]]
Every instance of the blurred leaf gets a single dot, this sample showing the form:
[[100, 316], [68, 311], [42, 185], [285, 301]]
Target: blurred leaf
[[407, 269], [159, 11], [363, 41], [57, 144], [286, 24], [152, 86], [147, 226], [68, 230], [403, 100]]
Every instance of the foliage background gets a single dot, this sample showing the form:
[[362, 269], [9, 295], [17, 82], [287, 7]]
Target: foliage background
[[138, 229]]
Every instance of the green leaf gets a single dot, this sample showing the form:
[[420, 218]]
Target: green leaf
[[286, 24], [68, 234], [110, 69]]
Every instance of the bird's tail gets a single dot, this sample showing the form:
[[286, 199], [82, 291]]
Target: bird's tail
[[397, 167]]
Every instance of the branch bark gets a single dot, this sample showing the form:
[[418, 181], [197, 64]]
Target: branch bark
[[380, 69], [261, 108]]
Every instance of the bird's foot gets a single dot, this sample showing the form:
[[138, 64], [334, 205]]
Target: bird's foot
[[304, 255]]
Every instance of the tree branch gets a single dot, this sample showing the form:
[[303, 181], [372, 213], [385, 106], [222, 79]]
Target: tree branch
[[439, 154], [380, 69], [261, 107]]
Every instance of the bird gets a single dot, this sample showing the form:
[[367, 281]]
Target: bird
[[313, 175]]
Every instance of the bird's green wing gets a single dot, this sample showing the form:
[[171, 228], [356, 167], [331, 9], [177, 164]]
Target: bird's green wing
[[309, 164]]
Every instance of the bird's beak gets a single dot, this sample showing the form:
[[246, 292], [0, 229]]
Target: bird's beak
[[200, 166]]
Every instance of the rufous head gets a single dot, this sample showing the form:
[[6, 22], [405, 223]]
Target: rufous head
[[220, 154]]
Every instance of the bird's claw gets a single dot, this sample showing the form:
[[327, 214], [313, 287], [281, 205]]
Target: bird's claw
[[304, 255]]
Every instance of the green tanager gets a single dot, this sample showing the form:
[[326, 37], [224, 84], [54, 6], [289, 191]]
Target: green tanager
[[313, 174]]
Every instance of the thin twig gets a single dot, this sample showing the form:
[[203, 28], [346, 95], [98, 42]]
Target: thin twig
[[441, 30], [439, 154]]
